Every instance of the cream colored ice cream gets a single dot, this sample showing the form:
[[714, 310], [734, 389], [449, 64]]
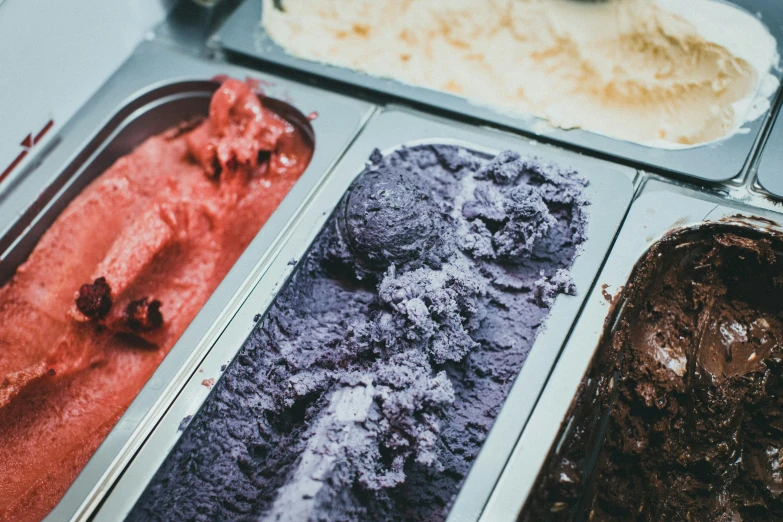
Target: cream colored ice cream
[[665, 73]]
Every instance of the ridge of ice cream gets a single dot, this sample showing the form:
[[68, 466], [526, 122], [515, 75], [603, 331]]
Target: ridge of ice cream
[[369, 386], [663, 73], [689, 383], [117, 278]]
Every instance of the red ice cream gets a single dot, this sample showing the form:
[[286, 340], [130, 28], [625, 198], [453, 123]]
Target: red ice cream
[[114, 282]]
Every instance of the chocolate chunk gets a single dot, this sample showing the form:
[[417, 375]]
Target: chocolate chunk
[[94, 299], [143, 315]]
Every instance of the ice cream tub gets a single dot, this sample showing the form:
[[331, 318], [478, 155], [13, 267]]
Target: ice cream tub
[[155, 91], [395, 132], [663, 217], [714, 160]]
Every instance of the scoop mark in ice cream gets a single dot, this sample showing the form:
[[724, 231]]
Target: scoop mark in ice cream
[[156, 233], [689, 386], [369, 386], [664, 73]]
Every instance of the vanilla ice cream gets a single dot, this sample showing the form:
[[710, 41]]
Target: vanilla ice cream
[[663, 73]]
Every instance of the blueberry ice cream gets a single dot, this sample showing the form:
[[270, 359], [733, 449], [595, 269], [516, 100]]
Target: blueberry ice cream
[[367, 389]]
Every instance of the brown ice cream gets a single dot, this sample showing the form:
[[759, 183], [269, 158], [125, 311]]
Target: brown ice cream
[[682, 418], [118, 277]]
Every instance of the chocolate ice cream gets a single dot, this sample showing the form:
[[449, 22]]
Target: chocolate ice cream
[[369, 386], [681, 416]]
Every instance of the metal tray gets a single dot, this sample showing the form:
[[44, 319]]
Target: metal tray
[[610, 191], [770, 169], [661, 207], [242, 34], [155, 90]]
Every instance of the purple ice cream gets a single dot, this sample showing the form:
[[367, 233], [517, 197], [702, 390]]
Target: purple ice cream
[[368, 388]]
